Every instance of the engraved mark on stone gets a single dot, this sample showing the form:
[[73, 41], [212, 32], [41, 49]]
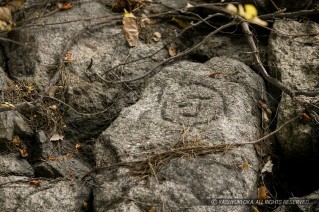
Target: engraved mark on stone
[[191, 105]]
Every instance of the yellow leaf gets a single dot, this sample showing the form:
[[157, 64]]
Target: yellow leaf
[[128, 14], [250, 11]]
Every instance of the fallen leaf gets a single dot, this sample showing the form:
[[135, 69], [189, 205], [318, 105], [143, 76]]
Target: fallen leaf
[[53, 90], [53, 107], [262, 193], [188, 5], [52, 158], [215, 74], [65, 6], [16, 140], [77, 146], [5, 14], [24, 152], [56, 137], [36, 183], [172, 50], [7, 104], [267, 167], [157, 36], [130, 28], [244, 166], [85, 204], [305, 117], [146, 21], [68, 57]]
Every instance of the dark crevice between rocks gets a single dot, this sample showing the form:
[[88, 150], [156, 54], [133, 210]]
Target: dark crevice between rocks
[[200, 58], [3, 59], [297, 174]]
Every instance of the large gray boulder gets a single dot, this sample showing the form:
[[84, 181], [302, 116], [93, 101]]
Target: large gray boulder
[[26, 194], [183, 105], [294, 60]]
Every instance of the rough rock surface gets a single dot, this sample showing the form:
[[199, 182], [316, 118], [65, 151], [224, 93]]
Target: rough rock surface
[[216, 110], [294, 60], [21, 194], [220, 45], [84, 92]]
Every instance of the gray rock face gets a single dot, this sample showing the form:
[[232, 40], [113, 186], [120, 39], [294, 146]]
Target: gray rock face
[[294, 60], [215, 110], [83, 90], [19, 194], [220, 45], [13, 164]]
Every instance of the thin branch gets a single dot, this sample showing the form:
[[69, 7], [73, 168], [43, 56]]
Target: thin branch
[[290, 14], [260, 66], [168, 60]]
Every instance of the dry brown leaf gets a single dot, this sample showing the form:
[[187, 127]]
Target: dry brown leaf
[[16, 3], [157, 36], [16, 140], [172, 50], [56, 137], [24, 152], [215, 74], [146, 21], [65, 6], [53, 90], [85, 204], [52, 158], [36, 183], [262, 193], [130, 29], [5, 14], [68, 57], [6, 11], [53, 107], [305, 117]]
